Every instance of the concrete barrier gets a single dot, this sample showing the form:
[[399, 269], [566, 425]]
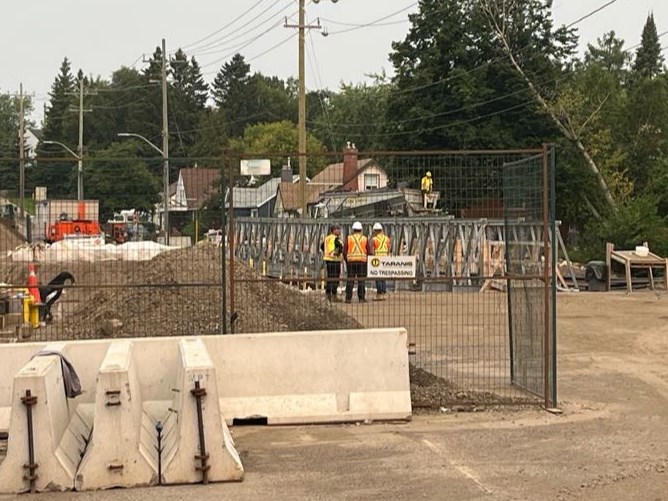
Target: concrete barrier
[[46, 433], [140, 397], [198, 447], [113, 457], [318, 377]]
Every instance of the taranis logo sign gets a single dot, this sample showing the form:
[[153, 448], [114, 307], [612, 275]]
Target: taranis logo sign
[[392, 267]]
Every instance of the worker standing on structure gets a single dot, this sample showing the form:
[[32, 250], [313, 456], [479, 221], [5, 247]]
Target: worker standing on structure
[[356, 252], [381, 247], [427, 187], [333, 250]]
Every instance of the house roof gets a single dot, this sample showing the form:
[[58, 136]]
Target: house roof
[[333, 173], [199, 185], [253, 198], [290, 199]]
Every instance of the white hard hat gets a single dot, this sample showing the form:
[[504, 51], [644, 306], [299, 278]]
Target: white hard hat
[[357, 226], [377, 226]]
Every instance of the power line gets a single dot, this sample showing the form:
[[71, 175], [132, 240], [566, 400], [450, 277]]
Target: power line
[[211, 35], [317, 77], [228, 39], [592, 13], [375, 22], [241, 47]]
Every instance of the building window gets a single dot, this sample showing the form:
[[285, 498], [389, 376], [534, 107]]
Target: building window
[[253, 213], [371, 182]]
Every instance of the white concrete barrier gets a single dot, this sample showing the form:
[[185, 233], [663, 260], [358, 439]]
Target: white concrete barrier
[[198, 444], [113, 457], [56, 434], [132, 386], [318, 377]]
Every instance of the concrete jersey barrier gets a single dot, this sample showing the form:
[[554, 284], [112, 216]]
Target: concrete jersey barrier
[[151, 406]]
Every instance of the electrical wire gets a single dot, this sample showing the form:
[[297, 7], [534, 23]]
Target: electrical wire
[[375, 22], [211, 35], [317, 77], [223, 43]]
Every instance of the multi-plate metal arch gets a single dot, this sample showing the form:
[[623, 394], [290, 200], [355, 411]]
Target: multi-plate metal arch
[[445, 246]]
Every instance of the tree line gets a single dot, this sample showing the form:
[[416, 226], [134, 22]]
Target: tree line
[[469, 74]]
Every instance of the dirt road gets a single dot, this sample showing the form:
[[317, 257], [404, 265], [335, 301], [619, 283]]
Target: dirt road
[[610, 443]]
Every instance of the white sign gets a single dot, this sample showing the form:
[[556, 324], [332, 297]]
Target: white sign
[[256, 167], [380, 267]]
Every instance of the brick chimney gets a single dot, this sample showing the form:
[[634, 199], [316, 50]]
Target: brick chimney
[[286, 174], [350, 168]]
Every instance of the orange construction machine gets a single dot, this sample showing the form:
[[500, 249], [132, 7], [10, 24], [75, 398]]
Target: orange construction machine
[[71, 227]]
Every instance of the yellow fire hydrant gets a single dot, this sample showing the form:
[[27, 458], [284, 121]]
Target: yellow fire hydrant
[[31, 311]]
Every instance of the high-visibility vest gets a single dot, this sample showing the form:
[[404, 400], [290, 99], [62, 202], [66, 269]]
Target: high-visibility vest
[[381, 245], [427, 183], [330, 249], [357, 248]]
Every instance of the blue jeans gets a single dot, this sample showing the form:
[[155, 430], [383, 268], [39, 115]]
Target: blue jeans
[[381, 286]]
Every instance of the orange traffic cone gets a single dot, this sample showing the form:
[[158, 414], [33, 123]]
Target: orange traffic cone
[[33, 284]]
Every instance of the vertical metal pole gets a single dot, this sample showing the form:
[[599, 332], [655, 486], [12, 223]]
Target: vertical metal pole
[[546, 275], [80, 189], [302, 107], [223, 245], [553, 220], [165, 145], [22, 163], [230, 218]]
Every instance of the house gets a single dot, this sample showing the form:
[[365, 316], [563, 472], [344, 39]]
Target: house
[[193, 189], [288, 200], [352, 174], [260, 201], [189, 194]]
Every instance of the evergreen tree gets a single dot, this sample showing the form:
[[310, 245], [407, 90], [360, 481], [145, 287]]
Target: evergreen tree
[[649, 60], [60, 124]]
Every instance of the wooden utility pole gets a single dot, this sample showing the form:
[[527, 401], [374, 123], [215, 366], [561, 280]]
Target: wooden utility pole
[[302, 27], [165, 145], [80, 110], [22, 154]]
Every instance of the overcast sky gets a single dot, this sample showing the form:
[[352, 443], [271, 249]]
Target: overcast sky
[[100, 36]]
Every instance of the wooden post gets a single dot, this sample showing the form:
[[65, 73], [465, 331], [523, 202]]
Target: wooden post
[[608, 264]]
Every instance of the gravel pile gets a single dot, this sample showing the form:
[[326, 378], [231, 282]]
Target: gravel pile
[[431, 393], [178, 293]]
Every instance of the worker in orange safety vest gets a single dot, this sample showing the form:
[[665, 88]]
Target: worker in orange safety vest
[[356, 251]]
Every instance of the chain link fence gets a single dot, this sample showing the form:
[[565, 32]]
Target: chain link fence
[[478, 311]]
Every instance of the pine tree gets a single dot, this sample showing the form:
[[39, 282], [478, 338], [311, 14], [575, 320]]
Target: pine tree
[[59, 125], [57, 114], [649, 60]]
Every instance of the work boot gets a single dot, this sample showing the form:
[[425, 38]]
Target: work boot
[[348, 301], [362, 300]]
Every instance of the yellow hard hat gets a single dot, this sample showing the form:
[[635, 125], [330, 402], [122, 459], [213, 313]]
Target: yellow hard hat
[[428, 174]]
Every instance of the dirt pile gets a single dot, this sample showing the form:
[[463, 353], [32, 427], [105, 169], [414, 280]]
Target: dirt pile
[[178, 293], [431, 393]]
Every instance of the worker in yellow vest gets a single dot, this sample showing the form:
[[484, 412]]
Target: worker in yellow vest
[[355, 254], [380, 243], [332, 248], [427, 186]]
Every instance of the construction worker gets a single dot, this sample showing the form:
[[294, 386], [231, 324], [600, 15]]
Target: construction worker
[[355, 254], [427, 186], [381, 247], [333, 250]]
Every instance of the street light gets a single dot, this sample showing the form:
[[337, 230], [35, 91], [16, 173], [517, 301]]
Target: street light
[[80, 190], [165, 180]]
